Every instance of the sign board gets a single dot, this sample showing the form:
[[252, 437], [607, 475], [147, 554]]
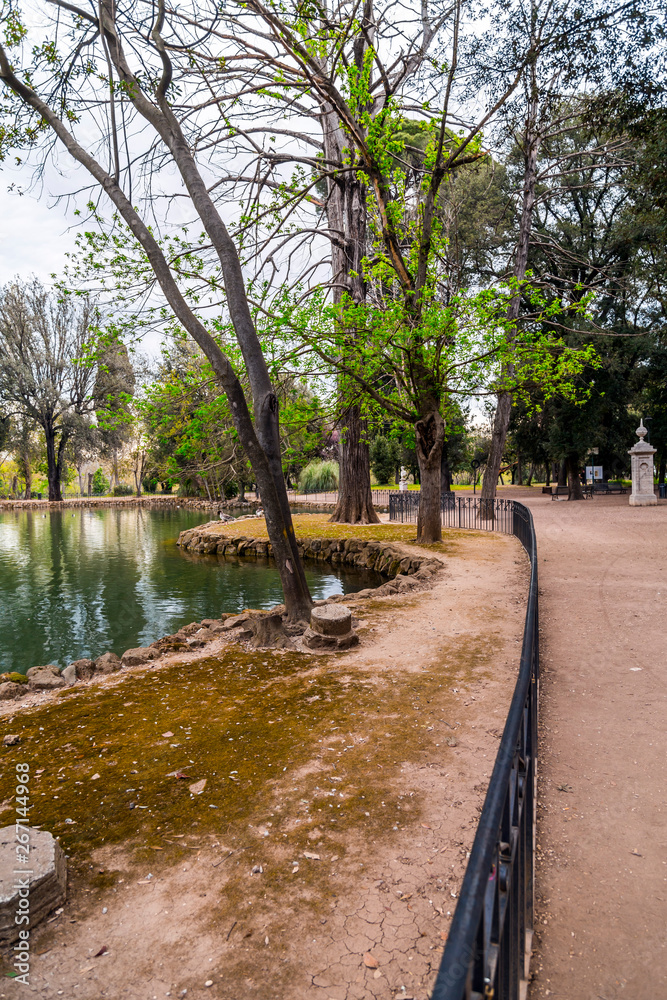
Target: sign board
[[593, 469]]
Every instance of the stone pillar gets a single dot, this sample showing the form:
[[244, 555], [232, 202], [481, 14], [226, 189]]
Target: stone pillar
[[641, 456], [403, 482]]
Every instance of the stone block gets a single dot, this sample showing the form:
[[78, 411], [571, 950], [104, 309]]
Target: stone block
[[84, 669], [107, 663], [46, 886], [315, 640], [9, 691], [347, 641], [331, 619], [234, 622], [69, 675], [137, 657], [45, 678]]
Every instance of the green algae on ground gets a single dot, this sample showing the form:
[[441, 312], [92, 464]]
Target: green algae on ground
[[267, 730]]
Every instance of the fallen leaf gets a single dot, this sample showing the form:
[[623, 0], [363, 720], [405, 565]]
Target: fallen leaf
[[87, 968], [311, 857], [156, 848], [295, 869], [178, 774], [369, 961], [95, 777], [426, 826], [637, 854], [145, 881], [167, 735], [564, 788], [443, 935], [198, 787], [103, 950]]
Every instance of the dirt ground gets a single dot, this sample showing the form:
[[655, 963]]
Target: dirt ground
[[602, 865], [324, 856]]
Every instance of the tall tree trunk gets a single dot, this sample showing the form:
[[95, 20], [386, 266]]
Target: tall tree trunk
[[547, 473], [355, 499], [52, 465], [501, 419], [347, 216], [562, 473], [574, 490], [429, 436], [662, 468]]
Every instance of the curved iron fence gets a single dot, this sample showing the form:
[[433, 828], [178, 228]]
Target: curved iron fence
[[488, 949]]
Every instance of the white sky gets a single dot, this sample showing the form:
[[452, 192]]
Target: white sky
[[33, 237]]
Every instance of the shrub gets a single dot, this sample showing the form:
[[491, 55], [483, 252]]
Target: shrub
[[123, 490], [384, 456], [230, 489], [318, 477], [100, 485]]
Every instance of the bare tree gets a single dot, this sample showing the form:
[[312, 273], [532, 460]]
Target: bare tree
[[43, 374], [147, 93]]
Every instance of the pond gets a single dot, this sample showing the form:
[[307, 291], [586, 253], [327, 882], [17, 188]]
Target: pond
[[79, 582]]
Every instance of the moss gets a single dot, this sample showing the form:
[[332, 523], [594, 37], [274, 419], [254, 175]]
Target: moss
[[296, 744], [14, 678]]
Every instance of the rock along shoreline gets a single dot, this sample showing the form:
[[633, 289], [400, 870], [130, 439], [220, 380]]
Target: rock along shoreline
[[404, 573]]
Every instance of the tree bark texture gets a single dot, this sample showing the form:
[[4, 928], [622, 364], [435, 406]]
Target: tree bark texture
[[429, 437], [355, 499], [53, 467], [574, 490], [346, 216]]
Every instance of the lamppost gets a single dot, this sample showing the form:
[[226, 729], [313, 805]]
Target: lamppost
[[647, 424]]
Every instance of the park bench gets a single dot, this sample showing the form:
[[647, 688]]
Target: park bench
[[559, 491], [611, 487]]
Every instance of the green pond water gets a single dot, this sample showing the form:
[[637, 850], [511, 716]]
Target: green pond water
[[78, 583]]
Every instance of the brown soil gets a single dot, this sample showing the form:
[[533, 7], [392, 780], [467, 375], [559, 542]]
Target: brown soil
[[374, 762], [602, 864]]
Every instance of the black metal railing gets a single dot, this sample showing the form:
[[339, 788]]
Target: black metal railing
[[458, 512], [381, 497], [489, 944]]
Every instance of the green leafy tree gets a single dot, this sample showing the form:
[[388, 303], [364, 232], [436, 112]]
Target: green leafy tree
[[385, 457], [101, 485]]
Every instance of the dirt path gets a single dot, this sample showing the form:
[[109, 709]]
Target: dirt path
[[602, 867], [323, 857]]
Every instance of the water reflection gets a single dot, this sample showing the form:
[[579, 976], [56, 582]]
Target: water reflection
[[76, 583]]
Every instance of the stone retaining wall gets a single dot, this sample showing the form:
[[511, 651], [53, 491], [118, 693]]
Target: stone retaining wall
[[146, 500], [381, 557]]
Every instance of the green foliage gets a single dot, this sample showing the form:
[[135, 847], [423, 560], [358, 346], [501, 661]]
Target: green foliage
[[100, 485], [149, 484], [122, 490], [318, 477], [385, 457]]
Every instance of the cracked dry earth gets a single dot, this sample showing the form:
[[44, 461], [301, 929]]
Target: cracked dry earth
[[330, 862]]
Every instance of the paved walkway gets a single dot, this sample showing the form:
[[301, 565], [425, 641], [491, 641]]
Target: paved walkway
[[602, 868]]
